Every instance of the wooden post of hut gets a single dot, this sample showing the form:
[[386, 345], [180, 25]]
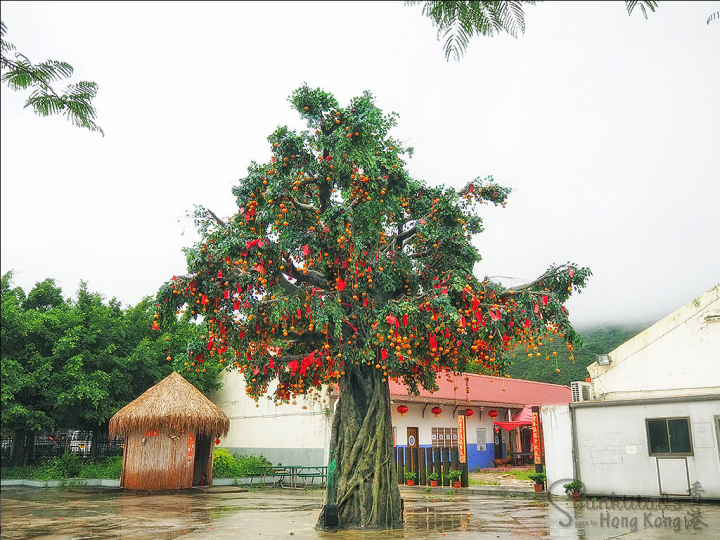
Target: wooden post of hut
[[170, 433]]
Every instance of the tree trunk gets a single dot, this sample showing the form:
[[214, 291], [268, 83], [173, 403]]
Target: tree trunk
[[29, 456], [96, 438], [362, 480], [17, 450]]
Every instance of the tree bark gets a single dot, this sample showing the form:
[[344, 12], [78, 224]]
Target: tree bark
[[95, 442], [362, 480], [17, 449], [29, 457]]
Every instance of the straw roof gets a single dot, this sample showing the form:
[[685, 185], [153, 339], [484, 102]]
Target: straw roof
[[173, 404]]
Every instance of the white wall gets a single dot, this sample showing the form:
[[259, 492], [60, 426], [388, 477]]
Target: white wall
[[413, 418], [678, 355], [557, 437], [613, 454], [266, 428]]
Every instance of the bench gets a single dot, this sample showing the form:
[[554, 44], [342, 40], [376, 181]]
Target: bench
[[310, 474]]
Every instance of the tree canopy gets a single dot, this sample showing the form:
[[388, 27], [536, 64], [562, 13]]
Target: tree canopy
[[75, 101], [340, 267], [74, 363], [458, 21]]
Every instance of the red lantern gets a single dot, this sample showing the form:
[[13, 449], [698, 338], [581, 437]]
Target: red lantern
[[493, 413], [155, 325], [436, 411], [402, 409], [469, 412], [217, 441]]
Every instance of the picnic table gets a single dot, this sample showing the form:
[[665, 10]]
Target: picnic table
[[312, 472], [297, 475], [272, 471]]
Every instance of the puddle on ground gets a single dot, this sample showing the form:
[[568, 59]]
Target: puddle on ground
[[50, 514]]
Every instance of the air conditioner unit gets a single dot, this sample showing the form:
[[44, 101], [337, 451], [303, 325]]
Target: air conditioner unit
[[581, 391]]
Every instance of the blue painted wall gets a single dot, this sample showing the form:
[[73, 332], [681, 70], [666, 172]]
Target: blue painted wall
[[476, 459]]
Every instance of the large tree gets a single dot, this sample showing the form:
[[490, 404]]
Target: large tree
[[340, 268], [458, 21], [31, 326]]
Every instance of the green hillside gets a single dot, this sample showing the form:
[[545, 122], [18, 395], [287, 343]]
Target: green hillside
[[599, 340]]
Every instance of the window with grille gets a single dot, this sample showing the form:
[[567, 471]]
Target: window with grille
[[444, 437]]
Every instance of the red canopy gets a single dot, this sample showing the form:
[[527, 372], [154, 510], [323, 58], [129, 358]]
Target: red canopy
[[523, 418]]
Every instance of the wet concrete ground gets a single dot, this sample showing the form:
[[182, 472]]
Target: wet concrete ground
[[28, 513]]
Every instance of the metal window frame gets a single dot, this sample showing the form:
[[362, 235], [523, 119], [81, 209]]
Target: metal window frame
[[669, 454]]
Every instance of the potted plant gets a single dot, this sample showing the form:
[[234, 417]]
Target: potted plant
[[538, 478], [433, 478], [410, 477], [575, 487], [455, 475]]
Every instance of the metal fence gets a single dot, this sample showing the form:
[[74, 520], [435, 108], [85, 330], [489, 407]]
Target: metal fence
[[424, 461], [48, 445]]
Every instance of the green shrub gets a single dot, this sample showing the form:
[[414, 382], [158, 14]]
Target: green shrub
[[70, 465], [537, 477], [110, 467], [64, 467], [48, 470], [223, 463], [573, 487], [226, 465], [247, 465]]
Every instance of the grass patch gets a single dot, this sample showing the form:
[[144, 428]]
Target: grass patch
[[483, 482], [521, 474]]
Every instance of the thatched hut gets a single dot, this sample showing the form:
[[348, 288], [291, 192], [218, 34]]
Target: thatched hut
[[170, 434]]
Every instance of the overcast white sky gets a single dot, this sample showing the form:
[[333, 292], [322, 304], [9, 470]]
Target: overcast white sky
[[607, 127]]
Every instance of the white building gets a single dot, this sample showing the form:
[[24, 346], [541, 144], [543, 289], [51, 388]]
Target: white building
[[300, 434], [652, 424]]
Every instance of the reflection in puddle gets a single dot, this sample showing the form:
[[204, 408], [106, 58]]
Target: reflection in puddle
[[432, 518]]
